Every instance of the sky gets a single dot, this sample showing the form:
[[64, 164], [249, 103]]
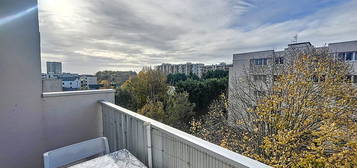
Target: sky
[[92, 35]]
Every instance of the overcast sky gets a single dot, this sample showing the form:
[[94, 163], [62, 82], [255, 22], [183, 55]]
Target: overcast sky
[[92, 35]]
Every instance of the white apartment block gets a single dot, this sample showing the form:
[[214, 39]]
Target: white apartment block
[[71, 83], [221, 66], [54, 67], [258, 64], [191, 68], [243, 62], [188, 68], [88, 80]]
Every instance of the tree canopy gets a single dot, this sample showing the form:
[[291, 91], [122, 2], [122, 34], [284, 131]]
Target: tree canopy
[[147, 85], [203, 92], [215, 74], [173, 79], [148, 94], [117, 77], [307, 119]]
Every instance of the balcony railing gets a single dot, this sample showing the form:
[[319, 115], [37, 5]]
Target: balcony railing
[[161, 146]]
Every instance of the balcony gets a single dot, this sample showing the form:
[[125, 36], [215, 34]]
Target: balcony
[[158, 145], [32, 122]]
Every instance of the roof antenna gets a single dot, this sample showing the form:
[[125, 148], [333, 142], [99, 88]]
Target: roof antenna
[[295, 39]]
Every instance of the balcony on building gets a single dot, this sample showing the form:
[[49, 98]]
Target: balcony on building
[[33, 122]]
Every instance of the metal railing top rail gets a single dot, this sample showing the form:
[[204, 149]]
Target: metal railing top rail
[[232, 157]]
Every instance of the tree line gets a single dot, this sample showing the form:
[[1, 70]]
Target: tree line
[[174, 99]]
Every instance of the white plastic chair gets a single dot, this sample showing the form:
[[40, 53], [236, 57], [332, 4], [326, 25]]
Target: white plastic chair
[[72, 153]]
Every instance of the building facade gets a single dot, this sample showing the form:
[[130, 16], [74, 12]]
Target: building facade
[[221, 66], [70, 83], [263, 66], [87, 81], [191, 68], [54, 67]]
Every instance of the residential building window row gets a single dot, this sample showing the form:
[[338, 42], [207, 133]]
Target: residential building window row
[[259, 61], [347, 56], [351, 78], [279, 60]]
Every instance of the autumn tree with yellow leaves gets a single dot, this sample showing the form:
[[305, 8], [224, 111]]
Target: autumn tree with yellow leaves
[[149, 94], [307, 117]]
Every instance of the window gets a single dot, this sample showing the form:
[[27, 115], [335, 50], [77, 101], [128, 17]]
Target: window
[[279, 60], [349, 78], [354, 78], [70, 83], [349, 56], [265, 61], [341, 56], [260, 61]]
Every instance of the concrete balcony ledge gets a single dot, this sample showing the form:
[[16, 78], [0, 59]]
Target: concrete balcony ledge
[[75, 93]]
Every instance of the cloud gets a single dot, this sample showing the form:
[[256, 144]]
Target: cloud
[[88, 36]]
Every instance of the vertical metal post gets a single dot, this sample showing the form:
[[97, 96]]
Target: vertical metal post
[[148, 137], [124, 134], [100, 118]]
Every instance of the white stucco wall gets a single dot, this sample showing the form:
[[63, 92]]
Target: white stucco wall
[[348, 46], [71, 117], [51, 85], [32, 123], [21, 117]]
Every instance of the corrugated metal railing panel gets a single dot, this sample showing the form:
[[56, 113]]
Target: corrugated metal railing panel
[[125, 132], [171, 148]]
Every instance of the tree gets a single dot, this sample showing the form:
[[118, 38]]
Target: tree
[[193, 76], [175, 110], [105, 84], [115, 77], [215, 74], [149, 95], [179, 110], [173, 79], [307, 118], [203, 92], [147, 85], [213, 126], [125, 99], [153, 109]]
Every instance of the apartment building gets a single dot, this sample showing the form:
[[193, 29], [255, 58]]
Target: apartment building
[[54, 67], [252, 62], [191, 68], [188, 68], [259, 64], [70, 83], [346, 51], [87, 81], [221, 66]]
